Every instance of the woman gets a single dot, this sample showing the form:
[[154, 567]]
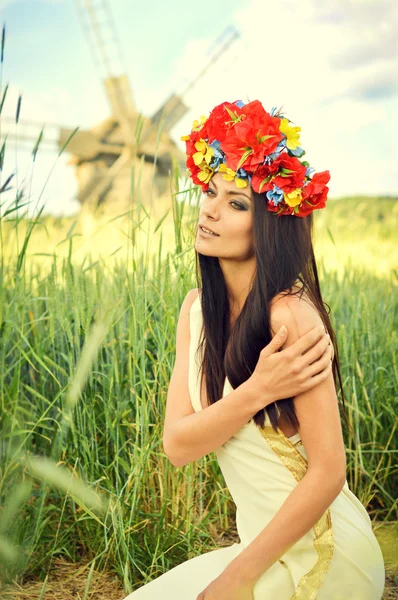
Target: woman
[[271, 416]]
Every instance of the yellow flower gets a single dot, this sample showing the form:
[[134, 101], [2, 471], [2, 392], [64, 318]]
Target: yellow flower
[[228, 174], [293, 198], [185, 138], [292, 134], [205, 153], [197, 126], [240, 183], [205, 174]]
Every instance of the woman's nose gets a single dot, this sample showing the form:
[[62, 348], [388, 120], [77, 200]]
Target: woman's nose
[[211, 207]]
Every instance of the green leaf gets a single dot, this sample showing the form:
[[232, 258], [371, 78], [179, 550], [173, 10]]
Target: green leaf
[[265, 137], [232, 115], [330, 235], [244, 156], [264, 181]]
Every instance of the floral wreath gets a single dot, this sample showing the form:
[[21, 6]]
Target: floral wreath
[[249, 145]]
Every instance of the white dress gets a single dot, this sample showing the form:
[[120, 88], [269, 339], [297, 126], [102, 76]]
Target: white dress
[[338, 559]]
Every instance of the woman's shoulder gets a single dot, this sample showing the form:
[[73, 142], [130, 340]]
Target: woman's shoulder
[[295, 295], [192, 299], [294, 307]]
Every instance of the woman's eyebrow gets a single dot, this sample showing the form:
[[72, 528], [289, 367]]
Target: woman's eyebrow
[[232, 192]]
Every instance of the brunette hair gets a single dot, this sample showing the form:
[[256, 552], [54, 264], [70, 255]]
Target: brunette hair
[[284, 254]]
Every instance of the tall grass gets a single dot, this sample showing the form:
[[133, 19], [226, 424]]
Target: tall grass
[[110, 433]]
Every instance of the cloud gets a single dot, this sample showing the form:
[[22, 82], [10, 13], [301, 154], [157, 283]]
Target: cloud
[[310, 44]]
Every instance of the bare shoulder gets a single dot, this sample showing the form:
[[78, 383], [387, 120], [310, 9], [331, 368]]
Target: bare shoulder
[[296, 312], [189, 299]]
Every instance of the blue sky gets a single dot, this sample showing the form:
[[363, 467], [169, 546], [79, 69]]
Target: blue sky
[[332, 65]]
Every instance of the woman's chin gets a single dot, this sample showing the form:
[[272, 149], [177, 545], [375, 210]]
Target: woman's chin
[[203, 248]]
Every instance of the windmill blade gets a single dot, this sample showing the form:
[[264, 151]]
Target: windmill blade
[[171, 111], [106, 50], [174, 108], [86, 145], [27, 133], [221, 45]]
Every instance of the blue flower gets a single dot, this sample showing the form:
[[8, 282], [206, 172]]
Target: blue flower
[[273, 155], [274, 111], [241, 173], [309, 171], [275, 195], [219, 156], [239, 103], [297, 152]]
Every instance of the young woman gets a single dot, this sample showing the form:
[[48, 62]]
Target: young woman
[[264, 400]]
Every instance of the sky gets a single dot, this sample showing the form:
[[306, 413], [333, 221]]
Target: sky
[[331, 65]]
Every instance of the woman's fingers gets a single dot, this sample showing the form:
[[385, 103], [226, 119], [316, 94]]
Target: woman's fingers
[[306, 342], [324, 363], [315, 353], [311, 382]]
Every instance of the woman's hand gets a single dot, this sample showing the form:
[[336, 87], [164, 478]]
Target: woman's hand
[[295, 369], [226, 588]]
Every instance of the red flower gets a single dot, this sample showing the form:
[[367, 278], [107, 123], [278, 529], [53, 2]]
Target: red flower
[[219, 119], [315, 193], [281, 208], [286, 181], [262, 173], [289, 181], [252, 138]]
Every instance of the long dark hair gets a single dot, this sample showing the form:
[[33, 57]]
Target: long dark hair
[[284, 254]]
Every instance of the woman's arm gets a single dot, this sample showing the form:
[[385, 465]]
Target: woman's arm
[[321, 434], [202, 432], [188, 435]]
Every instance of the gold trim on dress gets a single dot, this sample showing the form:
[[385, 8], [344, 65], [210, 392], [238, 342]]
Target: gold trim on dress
[[310, 583]]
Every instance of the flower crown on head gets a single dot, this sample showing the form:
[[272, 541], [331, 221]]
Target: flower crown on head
[[249, 145]]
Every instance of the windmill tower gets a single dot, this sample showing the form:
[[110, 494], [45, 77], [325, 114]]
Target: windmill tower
[[105, 156]]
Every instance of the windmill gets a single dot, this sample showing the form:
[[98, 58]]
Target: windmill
[[105, 155]]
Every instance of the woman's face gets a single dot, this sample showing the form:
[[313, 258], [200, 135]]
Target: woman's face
[[228, 211]]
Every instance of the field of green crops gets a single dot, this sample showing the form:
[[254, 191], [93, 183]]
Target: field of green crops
[[86, 352]]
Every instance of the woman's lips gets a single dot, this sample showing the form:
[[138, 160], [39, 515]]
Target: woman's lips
[[207, 235]]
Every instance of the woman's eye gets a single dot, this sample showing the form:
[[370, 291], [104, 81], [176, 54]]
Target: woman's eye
[[237, 204], [209, 191]]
